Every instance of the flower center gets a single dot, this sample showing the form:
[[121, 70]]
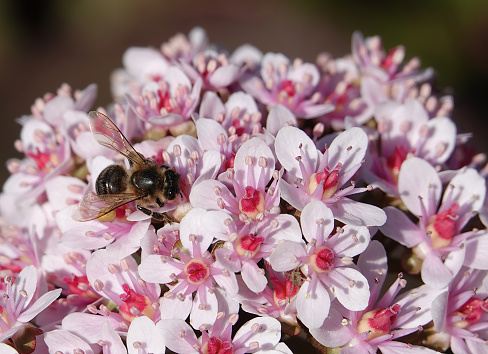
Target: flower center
[[80, 286], [322, 260], [249, 245], [196, 271], [252, 203], [217, 346], [443, 226], [378, 321], [45, 161], [288, 88], [134, 303], [330, 180], [394, 162], [470, 312]]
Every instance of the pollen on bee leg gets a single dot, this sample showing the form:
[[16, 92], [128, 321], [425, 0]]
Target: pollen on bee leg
[[108, 217]]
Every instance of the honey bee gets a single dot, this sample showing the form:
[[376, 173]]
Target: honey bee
[[145, 181]]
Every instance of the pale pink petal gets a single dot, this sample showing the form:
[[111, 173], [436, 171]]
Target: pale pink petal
[[313, 306], [174, 308], [441, 140], [469, 191], [226, 281], [458, 346], [353, 295], [435, 273], [172, 330], [476, 345], [288, 229], [287, 146], [65, 342], [421, 297], [348, 148], [293, 195], [418, 178], [279, 116], [394, 347], [204, 311], [246, 53], [272, 60], [373, 263], [439, 311], [476, 251], [211, 106], [253, 174], [351, 241], [332, 333], [228, 259], [55, 108], [193, 225], [313, 110], [253, 276], [352, 212], [97, 268], [143, 331], [285, 256], [224, 76], [207, 193], [86, 98], [268, 334], [175, 77], [40, 304], [241, 100], [25, 281], [308, 69], [401, 229], [7, 349], [143, 61], [153, 269], [88, 326], [208, 133], [314, 213], [112, 341]]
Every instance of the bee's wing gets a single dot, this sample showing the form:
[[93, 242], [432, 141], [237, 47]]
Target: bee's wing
[[107, 134], [93, 206]]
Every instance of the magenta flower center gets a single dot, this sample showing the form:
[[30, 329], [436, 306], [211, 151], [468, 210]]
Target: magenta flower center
[[196, 271], [45, 161], [288, 88], [133, 304], [379, 321], [330, 180], [252, 203], [442, 226], [394, 162], [471, 312], [217, 346], [249, 245], [322, 260]]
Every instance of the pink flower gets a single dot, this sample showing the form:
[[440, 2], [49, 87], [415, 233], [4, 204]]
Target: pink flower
[[325, 262], [406, 130], [384, 320], [460, 314], [258, 334], [194, 270], [437, 239], [22, 301], [293, 86], [311, 175]]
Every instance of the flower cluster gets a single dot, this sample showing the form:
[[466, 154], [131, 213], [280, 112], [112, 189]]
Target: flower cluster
[[282, 193]]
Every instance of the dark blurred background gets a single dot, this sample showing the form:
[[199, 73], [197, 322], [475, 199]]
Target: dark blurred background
[[45, 43]]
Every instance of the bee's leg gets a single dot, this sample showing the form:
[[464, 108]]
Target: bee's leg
[[159, 202], [154, 214]]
